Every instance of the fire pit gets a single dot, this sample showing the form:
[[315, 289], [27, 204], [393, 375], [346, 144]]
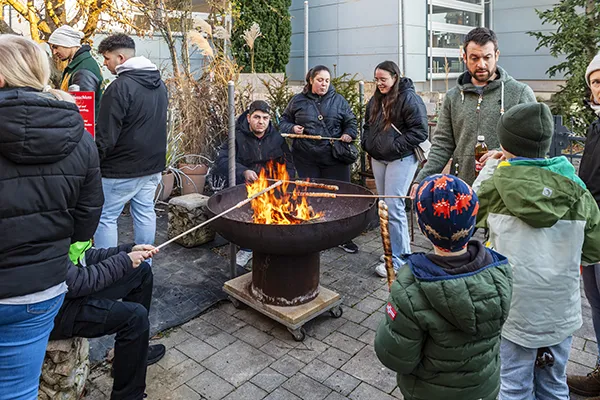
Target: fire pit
[[286, 262]]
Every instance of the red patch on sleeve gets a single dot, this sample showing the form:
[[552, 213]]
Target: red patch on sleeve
[[391, 311]]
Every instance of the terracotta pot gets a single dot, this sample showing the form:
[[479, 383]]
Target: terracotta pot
[[370, 184], [164, 190], [194, 179]]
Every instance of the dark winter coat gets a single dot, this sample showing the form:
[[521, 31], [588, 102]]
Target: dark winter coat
[[303, 110], [589, 169], [85, 72], [51, 189], [131, 132], [388, 145], [253, 153], [102, 268], [441, 332]]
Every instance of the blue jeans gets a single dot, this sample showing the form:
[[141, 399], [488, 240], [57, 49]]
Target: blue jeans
[[521, 380], [394, 178], [591, 286], [24, 332], [140, 192]]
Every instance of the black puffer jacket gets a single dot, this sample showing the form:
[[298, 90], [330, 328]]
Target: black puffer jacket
[[589, 169], [303, 110], [254, 153], [51, 189], [131, 133], [387, 144]]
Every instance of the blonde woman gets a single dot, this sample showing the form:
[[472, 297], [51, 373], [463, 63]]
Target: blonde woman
[[51, 196]]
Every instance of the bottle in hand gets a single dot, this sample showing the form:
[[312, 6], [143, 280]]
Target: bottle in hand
[[480, 149]]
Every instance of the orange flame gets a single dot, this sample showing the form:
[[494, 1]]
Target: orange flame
[[278, 206]]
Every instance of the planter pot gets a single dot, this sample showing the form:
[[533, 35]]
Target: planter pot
[[164, 190], [194, 179]]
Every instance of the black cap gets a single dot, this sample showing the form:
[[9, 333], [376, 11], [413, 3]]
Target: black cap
[[259, 105]]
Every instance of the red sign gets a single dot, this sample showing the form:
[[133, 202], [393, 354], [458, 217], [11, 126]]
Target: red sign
[[86, 103]]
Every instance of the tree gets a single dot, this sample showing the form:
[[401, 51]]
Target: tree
[[577, 38], [272, 50], [45, 16]]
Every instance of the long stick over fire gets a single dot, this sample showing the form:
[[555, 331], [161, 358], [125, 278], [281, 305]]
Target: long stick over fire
[[384, 222], [310, 184], [312, 137], [238, 205], [366, 196]]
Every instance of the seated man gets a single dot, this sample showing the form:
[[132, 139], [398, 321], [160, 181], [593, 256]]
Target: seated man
[[257, 142], [97, 279]]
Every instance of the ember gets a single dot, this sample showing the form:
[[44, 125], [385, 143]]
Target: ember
[[280, 206]]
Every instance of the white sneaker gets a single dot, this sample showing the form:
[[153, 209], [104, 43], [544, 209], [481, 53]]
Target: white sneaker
[[243, 257], [381, 270], [382, 258]]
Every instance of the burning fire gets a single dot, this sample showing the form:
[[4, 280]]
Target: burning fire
[[278, 206]]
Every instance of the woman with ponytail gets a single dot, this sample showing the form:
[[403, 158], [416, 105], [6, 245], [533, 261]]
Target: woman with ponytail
[[395, 123], [51, 196]]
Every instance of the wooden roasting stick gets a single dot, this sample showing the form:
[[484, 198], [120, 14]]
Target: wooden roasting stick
[[312, 137], [367, 196], [310, 184], [384, 222], [238, 205]]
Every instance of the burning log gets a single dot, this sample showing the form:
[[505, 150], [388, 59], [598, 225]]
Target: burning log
[[384, 221]]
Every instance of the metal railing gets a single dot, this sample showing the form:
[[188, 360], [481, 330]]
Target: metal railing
[[564, 139]]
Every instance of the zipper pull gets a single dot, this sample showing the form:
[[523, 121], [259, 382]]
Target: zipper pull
[[479, 102]]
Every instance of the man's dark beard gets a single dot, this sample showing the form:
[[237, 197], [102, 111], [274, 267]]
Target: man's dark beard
[[490, 75]]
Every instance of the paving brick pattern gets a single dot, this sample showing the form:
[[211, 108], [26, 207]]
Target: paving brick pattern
[[228, 353]]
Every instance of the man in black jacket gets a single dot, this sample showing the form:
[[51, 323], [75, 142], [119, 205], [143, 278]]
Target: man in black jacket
[[257, 143], [91, 309], [131, 136]]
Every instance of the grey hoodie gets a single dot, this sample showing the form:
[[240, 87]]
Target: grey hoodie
[[465, 115]]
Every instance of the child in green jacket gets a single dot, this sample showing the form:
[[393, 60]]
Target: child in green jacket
[[543, 219], [445, 312]]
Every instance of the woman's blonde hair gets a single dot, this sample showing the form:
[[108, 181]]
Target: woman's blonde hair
[[25, 64]]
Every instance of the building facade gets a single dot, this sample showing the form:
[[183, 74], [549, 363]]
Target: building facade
[[423, 36]]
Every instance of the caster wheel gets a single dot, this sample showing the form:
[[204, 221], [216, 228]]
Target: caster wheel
[[298, 334], [336, 312], [235, 302]]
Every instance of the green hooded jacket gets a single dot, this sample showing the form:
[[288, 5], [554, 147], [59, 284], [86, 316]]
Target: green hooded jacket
[[441, 332], [83, 60], [465, 115], [543, 219]]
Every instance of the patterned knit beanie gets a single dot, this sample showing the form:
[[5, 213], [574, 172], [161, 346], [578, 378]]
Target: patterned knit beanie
[[447, 211]]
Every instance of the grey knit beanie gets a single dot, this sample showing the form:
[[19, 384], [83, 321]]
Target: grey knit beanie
[[594, 66], [526, 130], [66, 36]]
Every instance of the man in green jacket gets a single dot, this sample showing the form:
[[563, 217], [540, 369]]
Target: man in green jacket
[[82, 70], [445, 313], [472, 108], [543, 219]]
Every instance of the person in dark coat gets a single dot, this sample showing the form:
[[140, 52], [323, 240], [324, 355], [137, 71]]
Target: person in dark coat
[[97, 280], [51, 195], [395, 123], [131, 136], [257, 143], [589, 172], [320, 110]]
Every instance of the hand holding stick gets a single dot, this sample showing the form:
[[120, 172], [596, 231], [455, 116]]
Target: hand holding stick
[[238, 205], [384, 221], [312, 137]]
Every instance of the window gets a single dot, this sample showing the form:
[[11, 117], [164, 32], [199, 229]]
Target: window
[[456, 17], [449, 22]]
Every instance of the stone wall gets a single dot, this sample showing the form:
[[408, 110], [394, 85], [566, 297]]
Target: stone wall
[[65, 370]]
